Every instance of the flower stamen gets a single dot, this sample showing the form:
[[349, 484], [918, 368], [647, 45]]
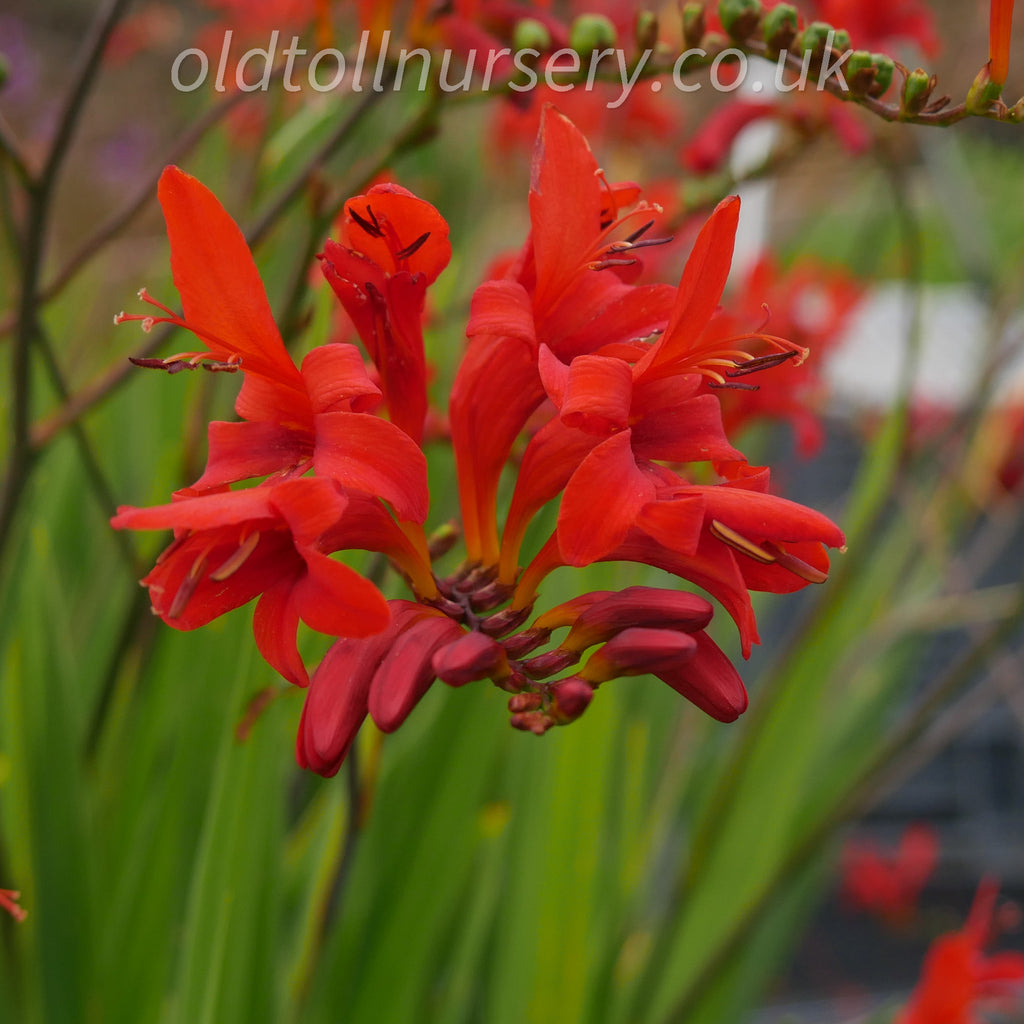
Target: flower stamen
[[729, 536], [188, 586], [238, 559]]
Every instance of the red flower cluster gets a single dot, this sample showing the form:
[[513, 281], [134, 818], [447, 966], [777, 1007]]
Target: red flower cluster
[[602, 392], [958, 976]]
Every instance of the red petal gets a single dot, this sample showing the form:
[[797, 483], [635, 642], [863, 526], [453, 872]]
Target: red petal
[[403, 219], [548, 463], [242, 451], [335, 376], [689, 431], [274, 625], [701, 286], [598, 394], [761, 517], [309, 506], [566, 199], [502, 308], [403, 366], [206, 512], [368, 526], [220, 287], [336, 600], [371, 455], [554, 375], [602, 501], [349, 273], [495, 391], [676, 523], [628, 314]]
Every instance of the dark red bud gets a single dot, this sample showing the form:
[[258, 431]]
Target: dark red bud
[[472, 656], [520, 702], [569, 699]]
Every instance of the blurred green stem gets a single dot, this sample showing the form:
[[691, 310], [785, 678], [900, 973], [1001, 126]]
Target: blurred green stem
[[873, 489]]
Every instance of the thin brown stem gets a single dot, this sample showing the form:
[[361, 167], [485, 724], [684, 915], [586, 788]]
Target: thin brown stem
[[40, 196], [12, 151]]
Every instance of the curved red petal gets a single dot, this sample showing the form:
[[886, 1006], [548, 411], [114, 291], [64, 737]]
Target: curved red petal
[[602, 501], [371, 455], [689, 431], [502, 308], [701, 286], [566, 200], [598, 394], [275, 623], [336, 380], [334, 599], [761, 517], [244, 450], [221, 291]]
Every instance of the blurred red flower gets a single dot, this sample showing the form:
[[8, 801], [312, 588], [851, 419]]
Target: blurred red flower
[[889, 883], [958, 977]]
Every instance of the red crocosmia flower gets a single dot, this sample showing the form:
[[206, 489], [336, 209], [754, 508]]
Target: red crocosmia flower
[[272, 540], [9, 902], [958, 977], [224, 303], [295, 418], [393, 247], [565, 291], [728, 539], [889, 884], [639, 414]]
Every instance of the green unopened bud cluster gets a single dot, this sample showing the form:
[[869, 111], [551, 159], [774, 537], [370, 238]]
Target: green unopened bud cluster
[[869, 74]]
